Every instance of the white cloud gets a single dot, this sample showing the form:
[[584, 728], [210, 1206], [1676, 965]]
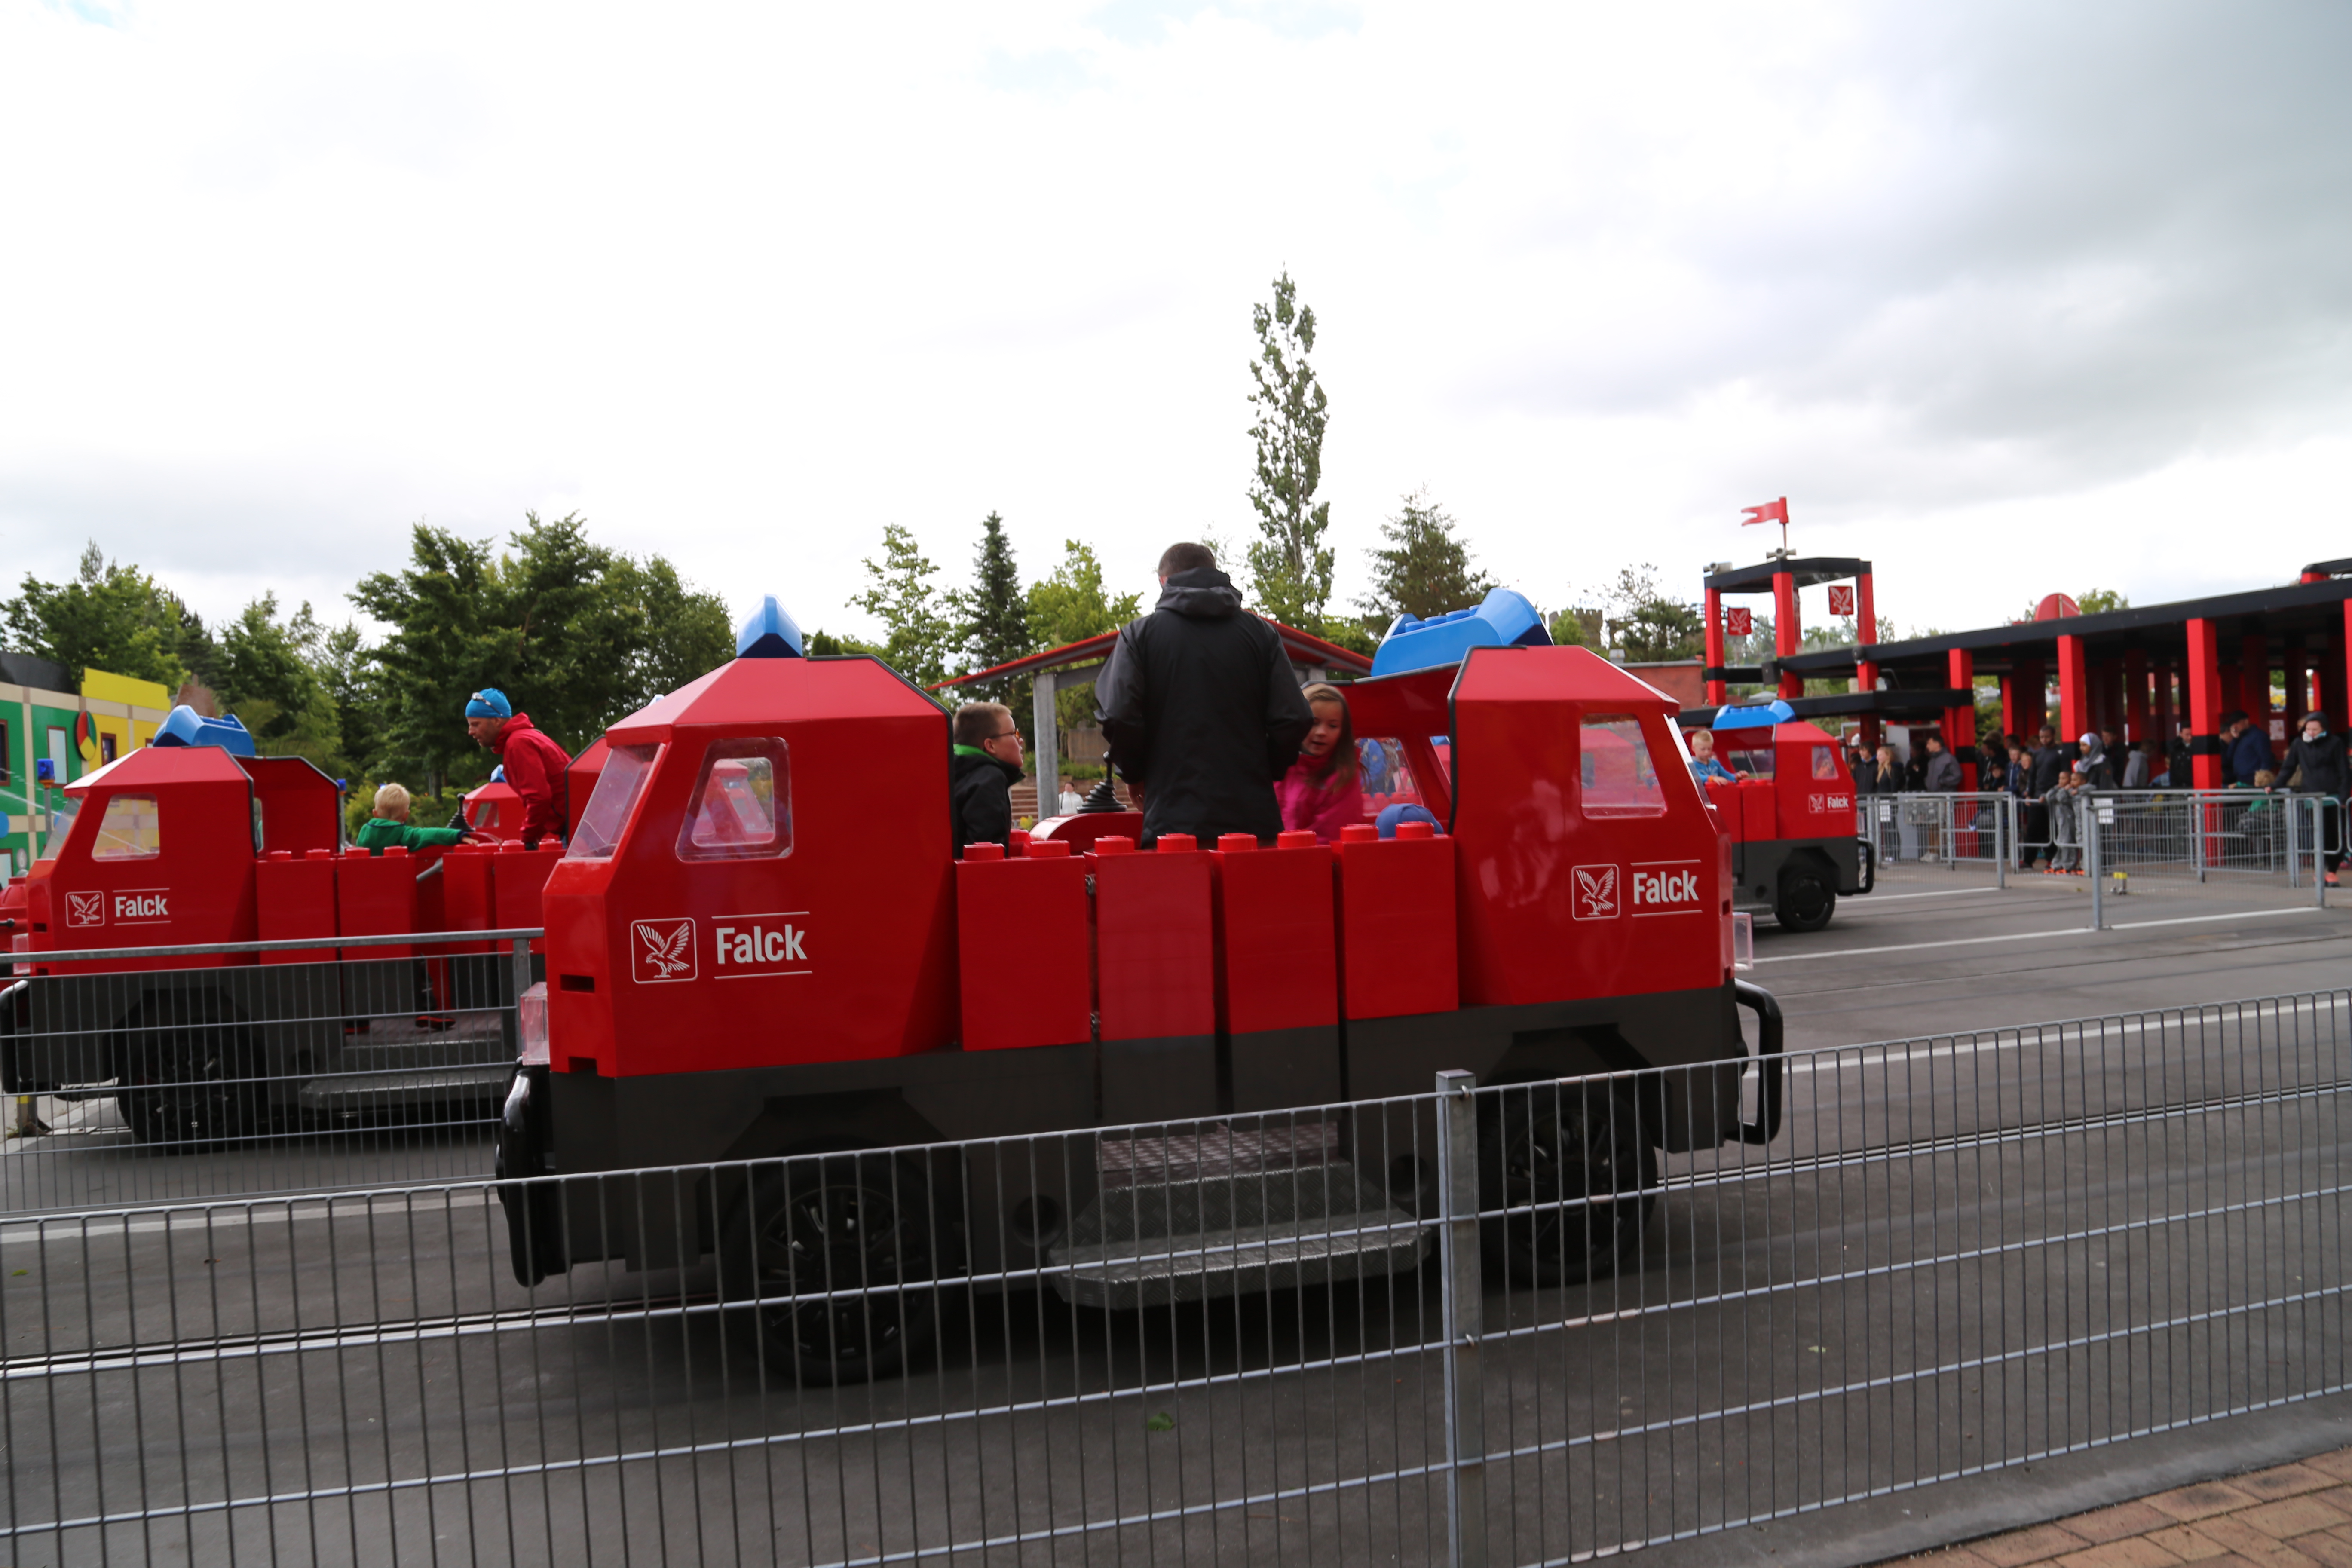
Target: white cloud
[[2011, 298]]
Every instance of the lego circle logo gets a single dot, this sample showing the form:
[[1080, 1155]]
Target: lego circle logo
[[661, 949]]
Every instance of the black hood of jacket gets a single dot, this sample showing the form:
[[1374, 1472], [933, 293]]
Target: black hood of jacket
[[1204, 594], [961, 767]]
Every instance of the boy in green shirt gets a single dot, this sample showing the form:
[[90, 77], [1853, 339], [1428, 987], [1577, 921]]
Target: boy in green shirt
[[389, 827]]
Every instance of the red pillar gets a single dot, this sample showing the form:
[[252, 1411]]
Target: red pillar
[[1787, 636], [2204, 705], [1960, 723], [1717, 693], [2009, 703], [2073, 689], [2135, 695], [1865, 670], [2335, 681], [2031, 683], [2254, 681]]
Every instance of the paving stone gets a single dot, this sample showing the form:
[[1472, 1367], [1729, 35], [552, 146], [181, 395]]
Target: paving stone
[[2233, 1532], [2114, 1523], [2023, 1546], [2296, 1516], [2285, 1480], [2203, 1501], [2326, 1546], [2131, 1551], [2186, 1543], [2339, 1464]]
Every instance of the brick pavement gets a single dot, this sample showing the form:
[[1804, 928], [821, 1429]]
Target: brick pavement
[[2286, 1517]]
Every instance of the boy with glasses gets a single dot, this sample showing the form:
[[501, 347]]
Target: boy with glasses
[[983, 765]]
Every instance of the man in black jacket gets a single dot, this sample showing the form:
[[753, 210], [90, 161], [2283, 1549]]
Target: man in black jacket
[[982, 767], [2049, 764], [1200, 707], [2317, 764]]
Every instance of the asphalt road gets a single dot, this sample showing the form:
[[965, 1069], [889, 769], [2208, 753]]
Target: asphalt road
[[1955, 1254]]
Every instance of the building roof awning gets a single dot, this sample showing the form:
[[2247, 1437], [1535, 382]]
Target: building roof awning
[[2298, 607], [1810, 571], [1303, 648]]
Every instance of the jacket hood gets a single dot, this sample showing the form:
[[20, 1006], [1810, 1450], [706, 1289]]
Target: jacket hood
[[516, 726], [1204, 594], [962, 763]]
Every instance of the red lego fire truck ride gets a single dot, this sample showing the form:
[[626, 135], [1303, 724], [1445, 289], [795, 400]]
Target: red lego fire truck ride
[[1790, 816], [195, 840], [761, 943]]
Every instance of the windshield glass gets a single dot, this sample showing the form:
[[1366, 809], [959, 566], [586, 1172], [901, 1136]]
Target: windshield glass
[[63, 809], [626, 768]]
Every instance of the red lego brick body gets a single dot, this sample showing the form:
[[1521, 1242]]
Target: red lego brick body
[[375, 895], [1277, 961], [1023, 945], [1155, 954], [1396, 922], [294, 895]]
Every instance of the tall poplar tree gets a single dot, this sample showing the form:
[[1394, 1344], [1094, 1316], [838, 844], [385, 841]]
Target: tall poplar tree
[[1290, 570]]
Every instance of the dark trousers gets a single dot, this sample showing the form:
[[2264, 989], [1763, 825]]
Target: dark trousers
[[2033, 834]]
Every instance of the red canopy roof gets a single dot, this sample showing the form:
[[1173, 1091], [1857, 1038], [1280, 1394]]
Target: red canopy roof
[[1304, 648]]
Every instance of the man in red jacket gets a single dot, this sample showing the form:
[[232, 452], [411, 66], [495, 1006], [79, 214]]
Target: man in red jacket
[[535, 765]]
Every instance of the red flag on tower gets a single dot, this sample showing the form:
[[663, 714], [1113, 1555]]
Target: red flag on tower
[[1771, 511]]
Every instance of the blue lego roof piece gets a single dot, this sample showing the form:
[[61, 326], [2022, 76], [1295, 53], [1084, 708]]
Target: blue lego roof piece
[[1503, 620], [1754, 716], [770, 634], [186, 727]]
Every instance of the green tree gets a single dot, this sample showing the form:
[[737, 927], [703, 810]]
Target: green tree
[[1070, 606], [823, 644], [269, 676], [1290, 570], [919, 636], [112, 618], [993, 615], [2099, 601], [347, 669], [575, 634], [1648, 625], [1422, 570], [1579, 625]]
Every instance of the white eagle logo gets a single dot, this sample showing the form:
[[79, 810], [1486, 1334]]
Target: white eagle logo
[[666, 945], [1596, 892], [86, 908]]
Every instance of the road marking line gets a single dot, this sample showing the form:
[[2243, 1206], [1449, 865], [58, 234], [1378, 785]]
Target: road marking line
[[2028, 935], [1939, 893]]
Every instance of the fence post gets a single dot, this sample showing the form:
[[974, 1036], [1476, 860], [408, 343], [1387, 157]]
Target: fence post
[[2319, 804], [2004, 833], [2294, 843], [2092, 860], [1464, 1285]]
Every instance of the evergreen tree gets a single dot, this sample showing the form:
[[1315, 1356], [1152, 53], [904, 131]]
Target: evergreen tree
[[269, 677], [1423, 570], [1290, 570], [919, 636], [994, 615]]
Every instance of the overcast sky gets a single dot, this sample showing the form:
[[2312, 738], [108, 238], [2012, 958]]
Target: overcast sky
[[2009, 297]]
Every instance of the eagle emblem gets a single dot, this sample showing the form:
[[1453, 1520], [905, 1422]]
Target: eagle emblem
[[1596, 892], [86, 908], [664, 949]]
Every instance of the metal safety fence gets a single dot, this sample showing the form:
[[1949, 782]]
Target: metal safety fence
[[2242, 840], [1479, 1325], [254, 1066]]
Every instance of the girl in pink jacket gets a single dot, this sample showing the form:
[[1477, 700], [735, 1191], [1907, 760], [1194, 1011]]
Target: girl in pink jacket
[[1320, 793]]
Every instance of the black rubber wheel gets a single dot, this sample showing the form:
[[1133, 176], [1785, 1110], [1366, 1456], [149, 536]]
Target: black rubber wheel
[[1806, 902], [842, 1235], [1543, 1146], [190, 1078]]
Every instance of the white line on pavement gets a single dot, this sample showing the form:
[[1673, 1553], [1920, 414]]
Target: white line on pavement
[[2027, 935]]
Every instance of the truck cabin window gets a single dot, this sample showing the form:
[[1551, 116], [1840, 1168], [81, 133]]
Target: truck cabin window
[[741, 807], [1825, 765], [129, 830], [626, 768], [1616, 775], [1751, 757]]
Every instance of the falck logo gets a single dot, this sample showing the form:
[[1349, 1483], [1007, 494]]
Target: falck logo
[[1596, 892], [84, 908], [663, 949], [1829, 803]]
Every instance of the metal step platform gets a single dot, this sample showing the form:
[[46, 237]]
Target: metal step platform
[[1229, 1211]]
